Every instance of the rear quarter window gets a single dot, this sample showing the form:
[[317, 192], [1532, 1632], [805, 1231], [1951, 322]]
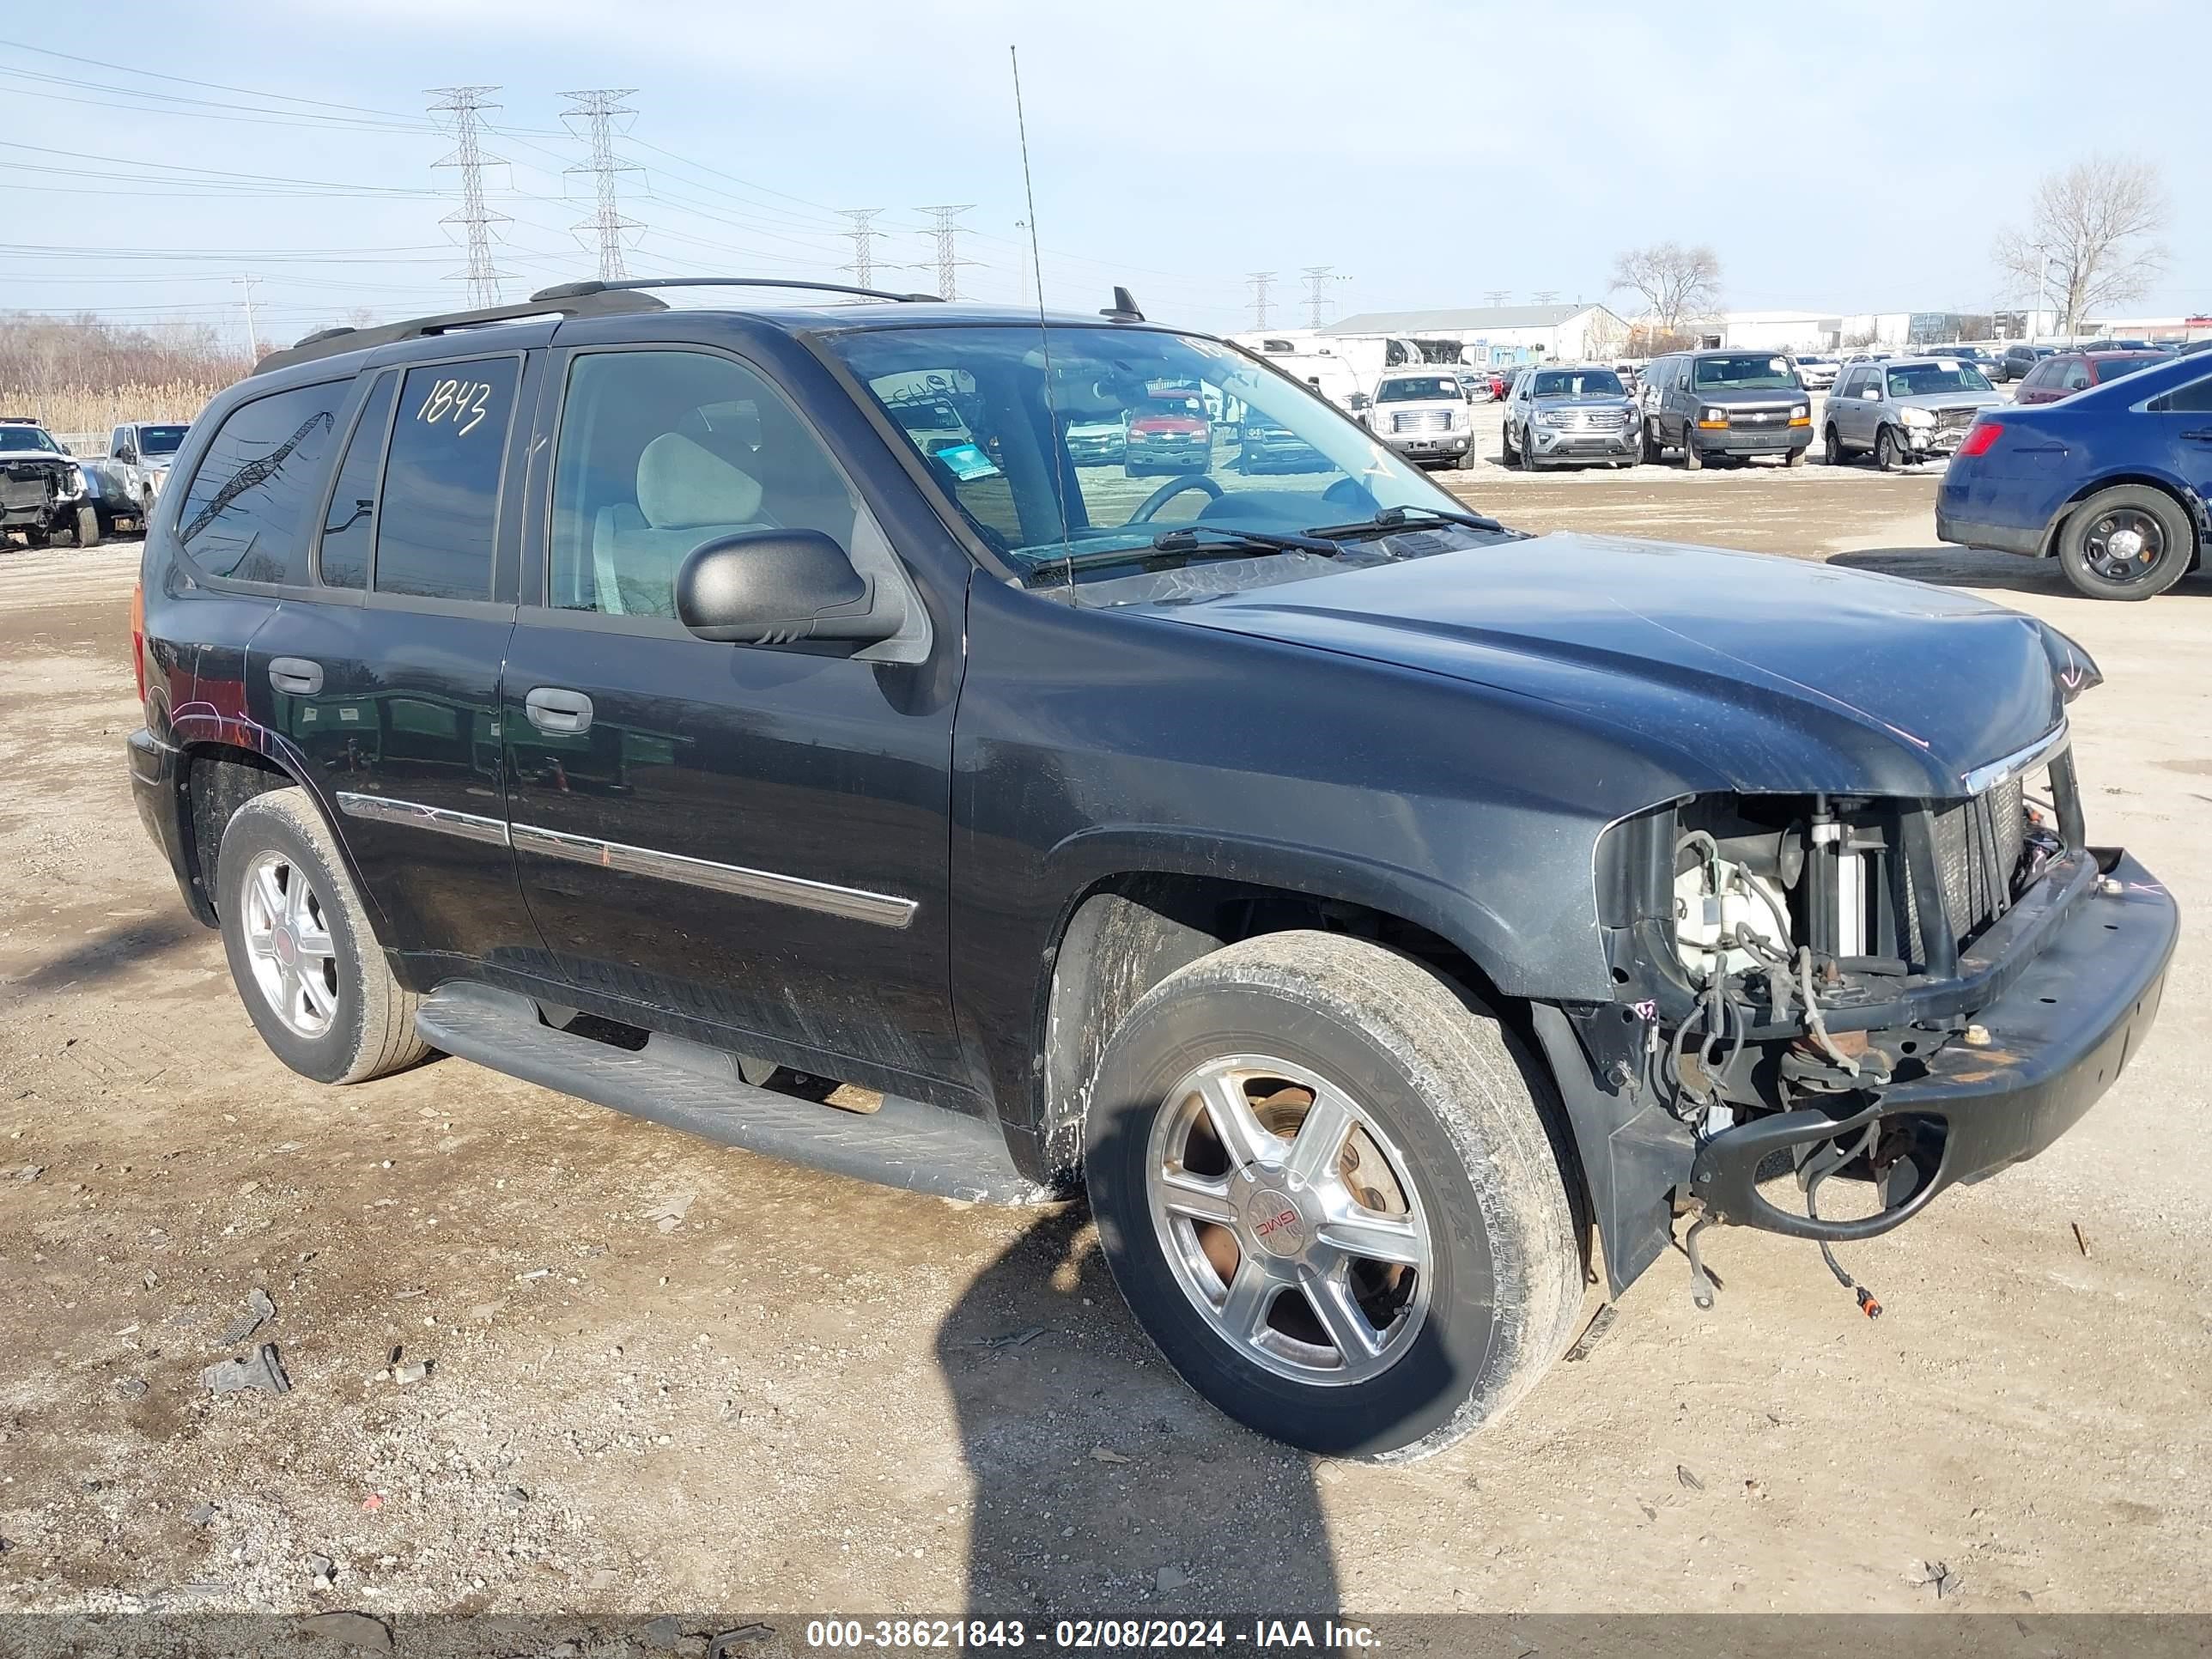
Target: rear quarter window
[[247, 514], [440, 505], [2195, 399]]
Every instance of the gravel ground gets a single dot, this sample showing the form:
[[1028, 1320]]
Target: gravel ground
[[665, 1374]]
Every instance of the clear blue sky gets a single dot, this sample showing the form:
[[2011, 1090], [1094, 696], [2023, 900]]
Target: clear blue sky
[[1861, 156]]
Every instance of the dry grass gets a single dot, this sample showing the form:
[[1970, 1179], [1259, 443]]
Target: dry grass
[[82, 409]]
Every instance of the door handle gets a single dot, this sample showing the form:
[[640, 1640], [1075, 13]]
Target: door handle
[[560, 712], [2202, 437], [296, 676]]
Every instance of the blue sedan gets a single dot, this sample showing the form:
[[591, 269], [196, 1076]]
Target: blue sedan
[[2115, 480]]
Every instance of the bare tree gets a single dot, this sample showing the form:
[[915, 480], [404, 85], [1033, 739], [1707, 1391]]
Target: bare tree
[[2090, 238], [1679, 284]]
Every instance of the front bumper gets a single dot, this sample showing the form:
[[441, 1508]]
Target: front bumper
[[1974, 533], [1776, 440], [1566, 442], [2059, 1035], [1433, 443]]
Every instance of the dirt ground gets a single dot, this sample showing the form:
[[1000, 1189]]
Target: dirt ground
[[665, 1374]]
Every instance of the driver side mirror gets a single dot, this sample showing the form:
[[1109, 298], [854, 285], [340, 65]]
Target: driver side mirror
[[776, 586], [1872, 392], [128, 455]]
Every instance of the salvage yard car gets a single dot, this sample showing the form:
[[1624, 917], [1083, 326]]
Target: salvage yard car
[[2113, 480], [1367, 906], [43, 492], [1571, 414], [1731, 404], [1423, 415], [1904, 411]]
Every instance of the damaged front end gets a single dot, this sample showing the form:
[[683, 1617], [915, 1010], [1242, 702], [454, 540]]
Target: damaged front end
[[1898, 995]]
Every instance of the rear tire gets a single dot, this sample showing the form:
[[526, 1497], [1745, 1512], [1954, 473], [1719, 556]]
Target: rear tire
[[2160, 555], [322, 996], [1438, 1150]]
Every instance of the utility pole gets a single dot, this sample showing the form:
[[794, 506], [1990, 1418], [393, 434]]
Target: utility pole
[[864, 244], [948, 249], [253, 339], [1257, 281], [466, 104], [1498, 296], [597, 110], [1318, 277]]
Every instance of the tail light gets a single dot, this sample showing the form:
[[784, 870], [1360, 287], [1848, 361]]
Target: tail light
[[139, 635], [1981, 437]]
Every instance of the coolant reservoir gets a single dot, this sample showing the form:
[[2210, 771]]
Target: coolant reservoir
[[1712, 899]]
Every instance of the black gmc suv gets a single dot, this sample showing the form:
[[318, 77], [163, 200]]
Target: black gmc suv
[[1364, 903]]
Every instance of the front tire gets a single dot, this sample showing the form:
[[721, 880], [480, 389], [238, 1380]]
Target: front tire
[[1885, 457], [1326, 1185], [301, 951], [2126, 542], [1691, 459]]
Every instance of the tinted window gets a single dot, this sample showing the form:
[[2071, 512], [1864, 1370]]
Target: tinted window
[[351, 519], [440, 499], [661, 451], [246, 515], [2195, 399]]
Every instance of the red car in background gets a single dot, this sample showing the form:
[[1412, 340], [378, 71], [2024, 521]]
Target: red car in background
[[1169, 432], [2076, 371]]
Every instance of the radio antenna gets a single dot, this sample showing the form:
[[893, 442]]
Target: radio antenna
[[1044, 335]]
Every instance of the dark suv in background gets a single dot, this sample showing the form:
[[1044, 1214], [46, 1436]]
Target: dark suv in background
[[1736, 404], [1360, 902]]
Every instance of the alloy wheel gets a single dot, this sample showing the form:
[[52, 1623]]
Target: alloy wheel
[[1288, 1219], [288, 939]]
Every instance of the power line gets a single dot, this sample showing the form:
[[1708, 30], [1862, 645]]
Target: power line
[[864, 244], [1318, 277], [597, 109], [1257, 281], [466, 106], [948, 251], [1498, 296]]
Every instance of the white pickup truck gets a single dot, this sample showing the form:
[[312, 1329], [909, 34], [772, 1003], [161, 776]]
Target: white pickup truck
[[127, 480]]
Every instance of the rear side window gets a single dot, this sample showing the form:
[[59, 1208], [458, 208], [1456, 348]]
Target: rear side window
[[2195, 399], [248, 512], [440, 504], [351, 518]]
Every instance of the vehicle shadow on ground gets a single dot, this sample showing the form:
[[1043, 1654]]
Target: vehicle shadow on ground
[[1102, 1486], [1980, 568], [1960, 567], [110, 951]]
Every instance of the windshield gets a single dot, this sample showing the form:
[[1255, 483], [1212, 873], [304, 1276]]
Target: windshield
[[1032, 499], [1931, 379], [160, 440], [1578, 383], [1404, 391], [27, 438], [1751, 372]]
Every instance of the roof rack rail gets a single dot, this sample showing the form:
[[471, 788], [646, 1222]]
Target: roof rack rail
[[580, 291], [590, 300]]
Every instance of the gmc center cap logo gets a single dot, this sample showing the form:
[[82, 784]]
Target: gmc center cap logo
[[1275, 1222]]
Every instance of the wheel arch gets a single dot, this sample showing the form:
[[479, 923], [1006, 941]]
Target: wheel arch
[[2193, 506], [215, 778], [1126, 931]]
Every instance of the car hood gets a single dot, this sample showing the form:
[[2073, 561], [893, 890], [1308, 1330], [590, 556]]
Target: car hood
[[1749, 672], [1953, 400]]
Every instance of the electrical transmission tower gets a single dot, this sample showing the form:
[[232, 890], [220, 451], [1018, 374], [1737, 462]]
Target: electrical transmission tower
[[948, 250], [864, 244], [597, 110], [1498, 296], [1545, 295], [466, 106], [1318, 277], [1258, 281]]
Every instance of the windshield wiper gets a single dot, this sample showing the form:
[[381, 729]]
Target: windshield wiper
[[1391, 520], [1172, 547]]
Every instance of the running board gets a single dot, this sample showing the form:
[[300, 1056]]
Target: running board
[[688, 1086]]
